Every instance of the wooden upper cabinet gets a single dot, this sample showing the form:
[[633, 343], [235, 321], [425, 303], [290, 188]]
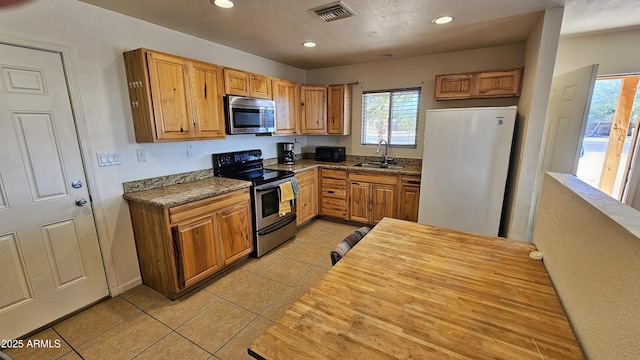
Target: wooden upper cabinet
[[242, 83], [498, 83], [456, 86], [314, 109], [236, 82], [169, 80], [207, 90], [339, 110], [260, 86], [173, 98], [286, 96], [478, 85]]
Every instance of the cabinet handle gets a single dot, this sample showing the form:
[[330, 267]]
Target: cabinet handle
[[416, 182], [330, 192], [205, 91]]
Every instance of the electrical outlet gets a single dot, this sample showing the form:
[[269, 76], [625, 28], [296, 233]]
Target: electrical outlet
[[189, 150], [141, 154]]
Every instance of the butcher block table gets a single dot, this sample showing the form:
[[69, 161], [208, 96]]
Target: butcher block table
[[412, 291]]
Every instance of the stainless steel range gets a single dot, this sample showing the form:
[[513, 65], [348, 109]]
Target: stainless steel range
[[270, 227]]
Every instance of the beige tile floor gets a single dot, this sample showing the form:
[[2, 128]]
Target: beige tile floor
[[219, 320]]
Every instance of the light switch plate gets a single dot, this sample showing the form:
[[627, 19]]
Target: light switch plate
[[109, 158]]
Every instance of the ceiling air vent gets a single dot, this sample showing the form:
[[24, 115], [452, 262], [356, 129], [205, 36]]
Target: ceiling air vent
[[334, 11]]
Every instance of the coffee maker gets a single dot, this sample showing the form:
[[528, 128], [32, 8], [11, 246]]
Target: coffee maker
[[285, 153]]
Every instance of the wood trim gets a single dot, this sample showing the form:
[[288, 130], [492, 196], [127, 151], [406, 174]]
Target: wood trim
[[618, 133]]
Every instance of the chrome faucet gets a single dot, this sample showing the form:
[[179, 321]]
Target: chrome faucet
[[385, 158]]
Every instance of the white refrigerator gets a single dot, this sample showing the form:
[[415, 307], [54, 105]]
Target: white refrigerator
[[464, 167]]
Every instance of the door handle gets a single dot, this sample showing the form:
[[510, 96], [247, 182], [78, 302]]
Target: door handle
[[81, 201]]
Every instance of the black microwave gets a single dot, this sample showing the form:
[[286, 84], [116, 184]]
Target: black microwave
[[331, 153]]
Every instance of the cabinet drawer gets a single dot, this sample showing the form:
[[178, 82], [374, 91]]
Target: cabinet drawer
[[334, 174], [334, 207], [308, 175], [408, 180], [334, 188], [374, 178], [206, 206]]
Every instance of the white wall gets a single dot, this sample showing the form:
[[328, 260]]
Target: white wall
[[616, 52], [590, 244], [413, 72], [524, 183], [97, 38]]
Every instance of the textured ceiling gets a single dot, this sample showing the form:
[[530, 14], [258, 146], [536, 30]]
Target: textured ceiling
[[275, 29]]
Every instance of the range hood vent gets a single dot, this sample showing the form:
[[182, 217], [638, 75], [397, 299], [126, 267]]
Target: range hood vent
[[334, 11]]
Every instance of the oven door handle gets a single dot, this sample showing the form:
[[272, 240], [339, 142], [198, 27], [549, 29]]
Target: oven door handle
[[277, 226], [263, 188], [267, 188]]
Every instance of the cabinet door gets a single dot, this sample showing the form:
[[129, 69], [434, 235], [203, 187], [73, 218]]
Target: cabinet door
[[260, 86], [206, 94], [360, 201], [197, 253], [169, 81], [384, 198], [236, 82], [409, 201], [314, 109], [286, 96], [307, 201], [498, 83], [454, 86], [235, 235], [339, 110]]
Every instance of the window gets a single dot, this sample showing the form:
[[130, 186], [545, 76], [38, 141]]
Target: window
[[390, 115]]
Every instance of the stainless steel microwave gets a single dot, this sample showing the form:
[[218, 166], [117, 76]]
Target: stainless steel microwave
[[247, 115]]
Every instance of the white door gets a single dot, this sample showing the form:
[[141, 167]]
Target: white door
[[50, 261], [566, 121]]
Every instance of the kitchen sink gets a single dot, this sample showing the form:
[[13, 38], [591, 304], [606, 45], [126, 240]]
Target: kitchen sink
[[378, 165]]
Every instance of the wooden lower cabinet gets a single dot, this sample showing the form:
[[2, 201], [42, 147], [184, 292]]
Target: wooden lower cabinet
[[181, 246], [307, 201], [235, 234], [372, 197], [333, 193], [197, 254], [409, 198]]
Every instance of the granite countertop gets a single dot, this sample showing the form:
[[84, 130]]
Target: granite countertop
[[307, 164], [173, 190], [179, 194]]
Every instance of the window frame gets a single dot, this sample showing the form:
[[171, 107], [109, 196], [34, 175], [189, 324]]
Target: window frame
[[363, 142]]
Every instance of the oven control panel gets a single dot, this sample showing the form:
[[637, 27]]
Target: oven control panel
[[236, 158]]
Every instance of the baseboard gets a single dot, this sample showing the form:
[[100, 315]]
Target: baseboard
[[128, 286]]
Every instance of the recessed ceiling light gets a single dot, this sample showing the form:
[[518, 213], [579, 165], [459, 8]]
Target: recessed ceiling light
[[222, 3], [308, 44], [442, 20]]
